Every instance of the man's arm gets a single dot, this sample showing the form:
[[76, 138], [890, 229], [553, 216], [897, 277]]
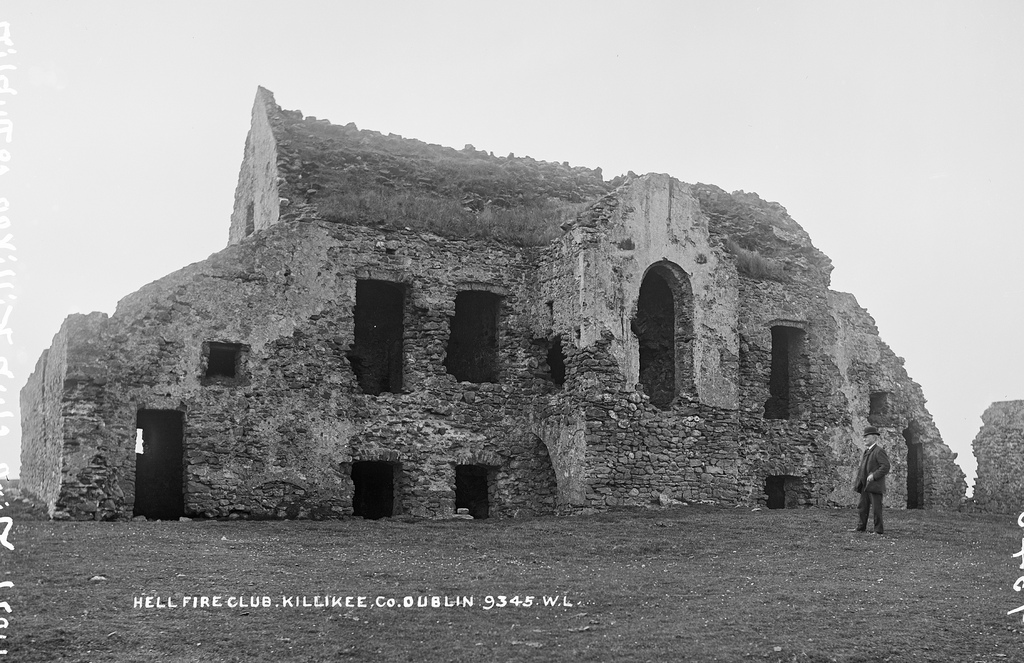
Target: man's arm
[[882, 459]]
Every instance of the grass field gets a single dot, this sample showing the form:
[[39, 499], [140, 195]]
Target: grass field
[[689, 583]]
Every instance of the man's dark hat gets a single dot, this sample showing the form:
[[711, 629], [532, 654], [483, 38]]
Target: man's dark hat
[[870, 430]]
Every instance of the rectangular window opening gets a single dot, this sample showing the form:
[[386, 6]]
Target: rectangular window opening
[[250, 219], [377, 351], [915, 469], [878, 408], [223, 360], [472, 353], [787, 353], [879, 401], [556, 362]]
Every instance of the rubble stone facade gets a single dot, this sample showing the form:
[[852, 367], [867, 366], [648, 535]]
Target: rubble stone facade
[[999, 448], [671, 341]]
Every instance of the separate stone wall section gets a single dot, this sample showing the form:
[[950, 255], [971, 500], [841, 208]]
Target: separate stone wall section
[[999, 448], [866, 366], [257, 199], [42, 425]]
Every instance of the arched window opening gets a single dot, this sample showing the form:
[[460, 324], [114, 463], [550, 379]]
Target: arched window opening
[[663, 326]]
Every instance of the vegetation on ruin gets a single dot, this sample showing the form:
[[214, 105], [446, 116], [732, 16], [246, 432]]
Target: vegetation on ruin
[[526, 225], [754, 265], [364, 177], [694, 583]]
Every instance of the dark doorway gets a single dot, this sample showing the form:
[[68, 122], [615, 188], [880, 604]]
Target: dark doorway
[[374, 494], [915, 470], [377, 350], [472, 489], [472, 354], [782, 491], [159, 473], [654, 326], [787, 351]]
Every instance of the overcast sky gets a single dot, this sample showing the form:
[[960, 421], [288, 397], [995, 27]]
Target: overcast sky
[[893, 132]]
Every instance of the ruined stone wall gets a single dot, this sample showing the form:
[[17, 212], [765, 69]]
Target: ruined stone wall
[[674, 340], [657, 221], [999, 448], [716, 441], [708, 444], [256, 195], [42, 430], [874, 378], [279, 440]]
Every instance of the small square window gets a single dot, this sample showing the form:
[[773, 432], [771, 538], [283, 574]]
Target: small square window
[[879, 403], [224, 362], [878, 408]]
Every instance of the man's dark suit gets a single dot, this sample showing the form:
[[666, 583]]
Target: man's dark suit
[[876, 463]]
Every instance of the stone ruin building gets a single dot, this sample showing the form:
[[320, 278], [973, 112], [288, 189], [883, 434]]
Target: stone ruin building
[[398, 328], [999, 448]]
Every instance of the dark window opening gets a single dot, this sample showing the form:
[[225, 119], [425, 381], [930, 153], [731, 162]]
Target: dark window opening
[[787, 352], [377, 351], [654, 326], [783, 491], [556, 362], [664, 329], [915, 470], [472, 354], [223, 360], [878, 408], [250, 219], [159, 469], [373, 496], [472, 489]]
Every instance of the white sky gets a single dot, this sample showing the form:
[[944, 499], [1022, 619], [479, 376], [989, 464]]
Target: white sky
[[893, 132]]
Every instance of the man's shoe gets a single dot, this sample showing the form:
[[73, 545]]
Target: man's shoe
[[858, 529]]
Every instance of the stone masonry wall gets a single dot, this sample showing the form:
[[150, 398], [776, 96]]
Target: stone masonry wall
[[999, 448], [714, 442], [257, 201], [255, 349], [868, 366], [42, 425], [278, 441]]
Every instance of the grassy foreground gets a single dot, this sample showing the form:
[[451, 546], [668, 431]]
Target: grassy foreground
[[689, 583]]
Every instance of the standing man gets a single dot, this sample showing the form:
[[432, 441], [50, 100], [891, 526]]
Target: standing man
[[874, 465]]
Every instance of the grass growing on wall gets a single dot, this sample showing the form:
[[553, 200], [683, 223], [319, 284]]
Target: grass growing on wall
[[754, 265], [527, 225]]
